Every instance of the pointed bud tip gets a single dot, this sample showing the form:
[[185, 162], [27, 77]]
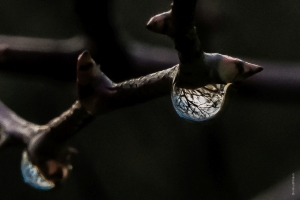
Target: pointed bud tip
[[259, 69], [253, 68], [85, 61], [85, 56], [256, 69], [149, 24]]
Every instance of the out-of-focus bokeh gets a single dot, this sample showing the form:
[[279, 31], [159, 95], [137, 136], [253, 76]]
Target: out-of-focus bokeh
[[146, 151]]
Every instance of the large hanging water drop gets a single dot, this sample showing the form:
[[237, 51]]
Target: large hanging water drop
[[199, 104]]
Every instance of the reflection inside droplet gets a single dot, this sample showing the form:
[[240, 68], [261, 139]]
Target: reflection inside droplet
[[199, 104]]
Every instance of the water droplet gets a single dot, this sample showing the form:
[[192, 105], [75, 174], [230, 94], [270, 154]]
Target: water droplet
[[32, 175], [199, 104]]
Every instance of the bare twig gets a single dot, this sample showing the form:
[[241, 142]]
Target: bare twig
[[194, 86], [197, 68], [97, 94], [47, 154]]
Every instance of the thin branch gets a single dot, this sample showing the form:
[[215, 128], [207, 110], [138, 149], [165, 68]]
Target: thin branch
[[98, 95], [197, 68], [14, 127]]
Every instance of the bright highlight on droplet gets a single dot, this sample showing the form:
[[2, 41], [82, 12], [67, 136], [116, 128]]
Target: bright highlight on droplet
[[199, 104]]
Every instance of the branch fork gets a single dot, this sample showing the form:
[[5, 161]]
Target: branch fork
[[197, 86], [197, 68]]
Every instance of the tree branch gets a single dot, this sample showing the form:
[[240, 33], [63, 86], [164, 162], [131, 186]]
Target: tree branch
[[196, 84], [197, 68]]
